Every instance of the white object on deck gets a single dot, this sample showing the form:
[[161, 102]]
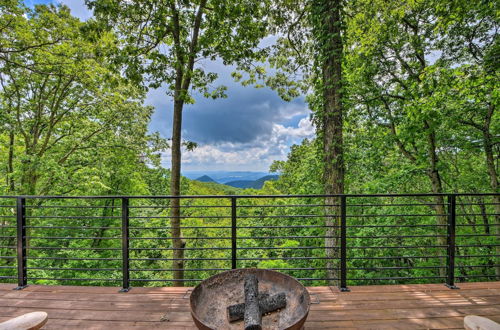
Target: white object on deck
[[473, 322], [30, 321]]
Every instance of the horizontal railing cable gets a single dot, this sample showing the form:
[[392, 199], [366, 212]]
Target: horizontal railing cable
[[319, 239]]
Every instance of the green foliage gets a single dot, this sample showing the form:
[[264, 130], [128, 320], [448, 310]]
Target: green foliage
[[228, 32], [302, 172], [67, 110], [421, 97]]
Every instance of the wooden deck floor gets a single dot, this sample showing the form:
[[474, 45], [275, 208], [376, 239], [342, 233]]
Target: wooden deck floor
[[365, 307]]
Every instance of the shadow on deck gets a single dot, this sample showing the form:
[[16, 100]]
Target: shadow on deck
[[418, 306]]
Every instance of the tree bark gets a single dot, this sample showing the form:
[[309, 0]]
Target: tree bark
[[437, 187], [184, 73], [492, 172], [106, 212], [332, 121], [491, 168], [10, 188], [29, 176], [175, 190], [10, 163]]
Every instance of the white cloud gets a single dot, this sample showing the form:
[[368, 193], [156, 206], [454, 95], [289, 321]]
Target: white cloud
[[254, 156], [304, 129], [291, 110]]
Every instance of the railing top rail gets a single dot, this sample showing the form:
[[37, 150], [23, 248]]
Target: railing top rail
[[249, 196]]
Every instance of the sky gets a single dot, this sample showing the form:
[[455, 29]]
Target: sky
[[247, 131]]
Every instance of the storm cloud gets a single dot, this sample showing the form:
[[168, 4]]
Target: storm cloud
[[248, 130], [245, 116]]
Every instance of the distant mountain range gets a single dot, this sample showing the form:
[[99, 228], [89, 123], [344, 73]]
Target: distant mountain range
[[256, 184], [243, 180]]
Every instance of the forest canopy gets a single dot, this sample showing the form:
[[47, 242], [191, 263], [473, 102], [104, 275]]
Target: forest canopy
[[419, 85], [404, 98]]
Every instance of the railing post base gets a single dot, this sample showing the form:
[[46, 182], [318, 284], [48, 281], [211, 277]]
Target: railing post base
[[234, 256], [453, 287], [125, 246], [22, 272], [346, 289], [451, 236], [20, 287]]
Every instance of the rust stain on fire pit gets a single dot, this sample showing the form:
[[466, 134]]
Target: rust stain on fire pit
[[210, 299]]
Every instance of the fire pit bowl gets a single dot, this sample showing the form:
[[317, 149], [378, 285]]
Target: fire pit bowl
[[210, 299]]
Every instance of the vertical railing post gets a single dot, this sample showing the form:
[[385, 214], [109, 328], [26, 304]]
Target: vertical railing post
[[450, 260], [343, 244], [22, 274], [125, 245], [233, 232]]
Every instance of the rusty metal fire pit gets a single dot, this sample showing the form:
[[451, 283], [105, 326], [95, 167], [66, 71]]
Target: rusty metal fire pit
[[210, 299]]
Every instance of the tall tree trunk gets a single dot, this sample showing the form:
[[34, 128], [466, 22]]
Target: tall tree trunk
[[182, 85], [10, 188], [437, 187], [331, 45], [491, 168], [29, 176], [492, 172], [175, 190], [106, 212], [10, 164]]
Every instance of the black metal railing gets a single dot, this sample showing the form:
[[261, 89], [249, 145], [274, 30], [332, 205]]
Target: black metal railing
[[319, 239]]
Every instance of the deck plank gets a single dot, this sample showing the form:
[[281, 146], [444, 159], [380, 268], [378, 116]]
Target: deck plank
[[418, 306]]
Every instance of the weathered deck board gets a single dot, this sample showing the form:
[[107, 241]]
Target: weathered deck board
[[420, 306]]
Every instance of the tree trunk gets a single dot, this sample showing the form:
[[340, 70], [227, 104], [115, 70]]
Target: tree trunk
[[175, 190], [10, 189], [29, 175], [331, 49], [106, 212], [437, 188], [10, 164], [182, 85], [490, 163]]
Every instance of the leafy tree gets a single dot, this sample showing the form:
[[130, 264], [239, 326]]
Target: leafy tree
[[326, 17], [300, 174], [15, 37], [472, 49], [418, 89], [399, 84], [67, 101], [309, 52], [165, 42]]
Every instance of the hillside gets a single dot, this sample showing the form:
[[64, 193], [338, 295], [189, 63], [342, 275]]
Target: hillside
[[225, 176], [243, 184], [256, 184], [205, 178], [197, 187]]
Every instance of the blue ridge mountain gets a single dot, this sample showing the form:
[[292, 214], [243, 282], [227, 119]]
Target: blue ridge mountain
[[225, 176], [255, 184], [205, 178]]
